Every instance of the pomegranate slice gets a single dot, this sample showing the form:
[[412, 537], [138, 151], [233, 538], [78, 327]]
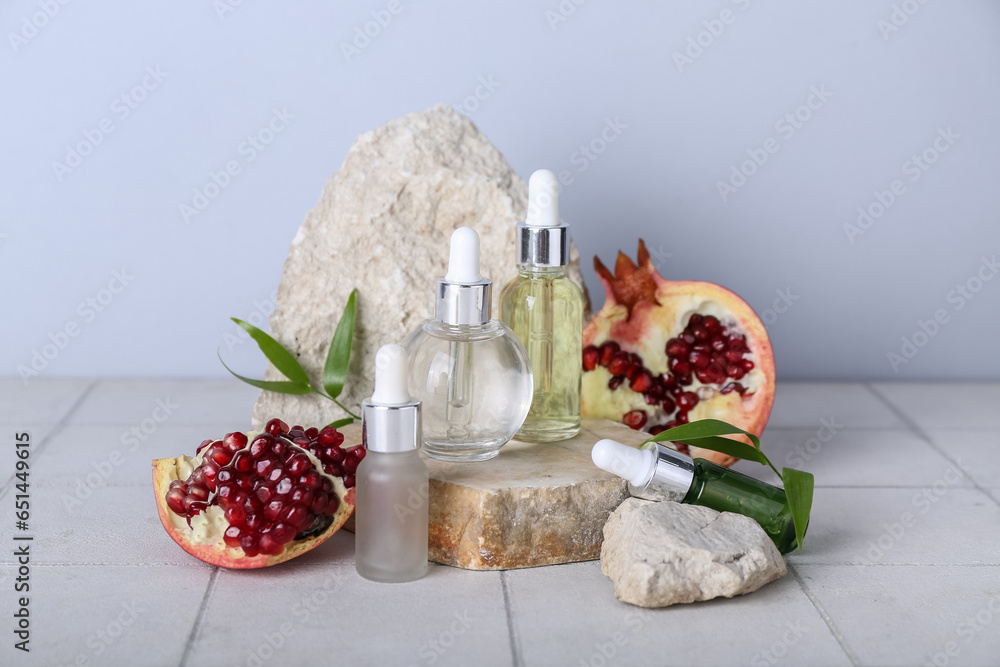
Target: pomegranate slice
[[256, 500], [661, 353]]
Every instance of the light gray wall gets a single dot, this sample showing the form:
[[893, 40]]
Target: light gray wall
[[556, 82]]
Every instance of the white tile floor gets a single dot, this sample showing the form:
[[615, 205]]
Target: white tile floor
[[902, 561]]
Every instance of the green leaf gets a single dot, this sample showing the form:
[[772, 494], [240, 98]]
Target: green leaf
[[339, 356], [281, 387], [282, 359], [341, 422], [705, 433], [799, 492]]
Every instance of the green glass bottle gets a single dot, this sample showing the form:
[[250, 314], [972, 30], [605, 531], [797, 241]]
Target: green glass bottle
[[656, 472], [545, 309]]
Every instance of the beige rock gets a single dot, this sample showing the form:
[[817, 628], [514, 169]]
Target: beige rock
[[534, 504], [382, 226], [661, 553]]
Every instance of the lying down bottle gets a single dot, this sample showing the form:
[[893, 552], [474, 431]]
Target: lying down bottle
[[656, 472]]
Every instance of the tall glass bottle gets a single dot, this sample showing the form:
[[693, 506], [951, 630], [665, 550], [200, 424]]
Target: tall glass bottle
[[656, 472], [545, 309]]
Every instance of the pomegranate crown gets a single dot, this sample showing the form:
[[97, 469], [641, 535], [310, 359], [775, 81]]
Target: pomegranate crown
[[630, 283]]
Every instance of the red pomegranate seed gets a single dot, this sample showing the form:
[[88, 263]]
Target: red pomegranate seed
[[298, 464], [695, 320], [319, 502], [643, 381], [330, 436], [619, 364], [651, 399], [242, 462], [249, 545], [591, 356], [699, 359], [699, 333], [284, 486], [234, 442], [175, 501], [254, 522], [735, 371], [302, 497], [669, 405], [348, 481], [274, 510], [296, 516], [712, 323], [681, 418], [232, 536], [261, 444], [635, 419], [608, 351], [718, 345], [747, 365], [265, 493], [332, 505], [276, 427], [219, 455], [677, 348], [282, 533], [235, 515], [203, 445], [245, 481], [270, 546], [680, 368], [687, 400], [615, 382], [279, 448]]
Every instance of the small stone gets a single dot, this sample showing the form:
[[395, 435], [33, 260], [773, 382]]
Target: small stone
[[661, 553], [382, 226]]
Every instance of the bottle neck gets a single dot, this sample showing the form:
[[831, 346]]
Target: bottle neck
[[532, 271]]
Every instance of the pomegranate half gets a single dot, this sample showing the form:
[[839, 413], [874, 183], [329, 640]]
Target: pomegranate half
[[661, 353], [259, 499]]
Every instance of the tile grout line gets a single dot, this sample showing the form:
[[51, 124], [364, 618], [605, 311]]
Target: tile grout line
[[515, 645], [200, 618], [919, 432], [831, 626], [56, 430]]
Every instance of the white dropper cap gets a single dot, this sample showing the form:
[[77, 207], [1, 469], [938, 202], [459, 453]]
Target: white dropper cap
[[635, 465], [463, 260], [391, 418], [543, 199], [390, 376]]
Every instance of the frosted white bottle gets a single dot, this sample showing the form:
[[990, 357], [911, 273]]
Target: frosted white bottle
[[392, 484]]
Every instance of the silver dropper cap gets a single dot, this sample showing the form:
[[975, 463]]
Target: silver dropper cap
[[542, 240], [670, 478], [390, 418], [463, 295]]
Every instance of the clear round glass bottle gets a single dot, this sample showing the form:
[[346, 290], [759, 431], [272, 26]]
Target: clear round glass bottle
[[545, 309], [474, 382]]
